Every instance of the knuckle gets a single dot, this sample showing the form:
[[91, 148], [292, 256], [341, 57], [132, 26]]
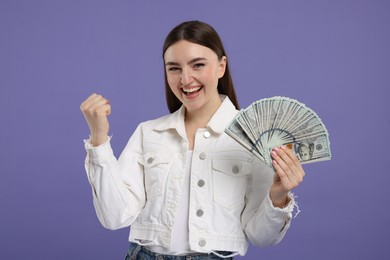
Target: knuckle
[[294, 183], [289, 186], [92, 111], [96, 112], [100, 111], [290, 163]]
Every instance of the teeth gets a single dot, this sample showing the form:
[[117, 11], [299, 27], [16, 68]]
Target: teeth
[[190, 90]]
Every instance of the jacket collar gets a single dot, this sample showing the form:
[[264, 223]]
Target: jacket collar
[[219, 121]]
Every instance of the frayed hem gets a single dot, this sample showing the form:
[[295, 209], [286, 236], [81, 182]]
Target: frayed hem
[[296, 209]]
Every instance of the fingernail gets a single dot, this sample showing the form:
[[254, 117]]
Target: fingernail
[[276, 149], [274, 154], [283, 147]]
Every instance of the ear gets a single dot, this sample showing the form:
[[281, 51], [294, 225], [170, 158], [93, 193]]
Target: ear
[[222, 67]]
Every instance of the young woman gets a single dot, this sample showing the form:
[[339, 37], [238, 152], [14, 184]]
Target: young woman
[[185, 187]]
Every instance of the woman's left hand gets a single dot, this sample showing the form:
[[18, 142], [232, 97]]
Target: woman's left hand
[[288, 175]]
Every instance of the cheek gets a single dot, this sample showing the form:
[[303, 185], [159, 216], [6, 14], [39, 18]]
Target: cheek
[[210, 75], [172, 81]]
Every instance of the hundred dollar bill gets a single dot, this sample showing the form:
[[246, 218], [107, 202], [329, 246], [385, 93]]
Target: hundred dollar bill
[[277, 121], [313, 149], [235, 131]]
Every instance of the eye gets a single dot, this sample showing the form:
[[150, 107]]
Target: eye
[[173, 69], [198, 65]]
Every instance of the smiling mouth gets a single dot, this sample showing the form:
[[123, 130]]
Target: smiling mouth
[[189, 91]]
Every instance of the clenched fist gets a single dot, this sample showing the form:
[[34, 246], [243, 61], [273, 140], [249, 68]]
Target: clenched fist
[[96, 110]]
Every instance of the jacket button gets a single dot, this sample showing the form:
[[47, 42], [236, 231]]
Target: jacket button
[[235, 169], [201, 183], [150, 160], [202, 242], [202, 156], [199, 212], [206, 134]]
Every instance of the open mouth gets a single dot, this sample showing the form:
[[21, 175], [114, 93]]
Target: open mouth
[[190, 91]]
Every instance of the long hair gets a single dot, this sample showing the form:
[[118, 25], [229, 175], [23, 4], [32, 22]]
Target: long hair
[[205, 35]]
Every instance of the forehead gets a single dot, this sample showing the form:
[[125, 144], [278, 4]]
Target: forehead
[[185, 51]]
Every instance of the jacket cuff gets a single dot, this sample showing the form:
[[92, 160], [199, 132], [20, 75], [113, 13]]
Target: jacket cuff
[[285, 212], [98, 154]]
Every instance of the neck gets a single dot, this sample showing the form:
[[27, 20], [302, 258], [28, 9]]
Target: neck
[[200, 117]]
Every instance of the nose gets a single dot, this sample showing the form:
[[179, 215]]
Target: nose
[[186, 77]]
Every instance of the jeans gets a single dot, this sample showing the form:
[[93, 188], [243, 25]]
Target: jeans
[[138, 252]]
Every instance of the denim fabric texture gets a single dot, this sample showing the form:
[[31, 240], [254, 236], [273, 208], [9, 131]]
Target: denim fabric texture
[[138, 252]]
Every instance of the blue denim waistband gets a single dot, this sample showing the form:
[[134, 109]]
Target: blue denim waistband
[[137, 252]]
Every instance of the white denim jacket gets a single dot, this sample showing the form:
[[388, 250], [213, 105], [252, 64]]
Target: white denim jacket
[[229, 189]]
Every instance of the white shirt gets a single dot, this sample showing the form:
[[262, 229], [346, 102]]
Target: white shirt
[[229, 188], [180, 233]]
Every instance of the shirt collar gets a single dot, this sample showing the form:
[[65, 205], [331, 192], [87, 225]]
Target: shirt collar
[[223, 116], [219, 121]]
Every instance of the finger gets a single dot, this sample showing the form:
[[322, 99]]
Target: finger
[[93, 99], [99, 102], [297, 163], [290, 158], [92, 96], [283, 177], [279, 161], [94, 104], [88, 99], [296, 172], [102, 110], [292, 155], [107, 108], [286, 165]]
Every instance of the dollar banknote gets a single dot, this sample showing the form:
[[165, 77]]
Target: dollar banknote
[[276, 121]]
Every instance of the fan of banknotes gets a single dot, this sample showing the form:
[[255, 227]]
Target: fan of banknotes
[[276, 121]]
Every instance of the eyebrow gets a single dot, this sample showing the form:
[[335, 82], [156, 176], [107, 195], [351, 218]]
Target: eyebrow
[[171, 63]]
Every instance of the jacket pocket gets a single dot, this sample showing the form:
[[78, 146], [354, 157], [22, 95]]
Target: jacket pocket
[[230, 180], [156, 168]]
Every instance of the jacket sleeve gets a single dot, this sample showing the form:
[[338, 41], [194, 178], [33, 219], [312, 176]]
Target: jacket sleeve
[[263, 224], [117, 185]]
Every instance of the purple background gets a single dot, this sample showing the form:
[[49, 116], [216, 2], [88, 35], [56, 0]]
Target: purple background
[[331, 55]]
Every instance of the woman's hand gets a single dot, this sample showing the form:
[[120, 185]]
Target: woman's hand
[[288, 175], [96, 110]]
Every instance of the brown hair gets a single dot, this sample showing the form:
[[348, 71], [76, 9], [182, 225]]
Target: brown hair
[[205, 35]]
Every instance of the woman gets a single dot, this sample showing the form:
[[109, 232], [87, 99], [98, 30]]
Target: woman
[[184, 186]]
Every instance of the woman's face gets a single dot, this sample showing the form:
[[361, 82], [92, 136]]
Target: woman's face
[[192, 73]]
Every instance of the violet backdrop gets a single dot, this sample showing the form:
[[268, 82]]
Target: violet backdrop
[[332, 55]]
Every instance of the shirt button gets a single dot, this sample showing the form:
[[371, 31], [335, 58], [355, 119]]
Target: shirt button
[[206, 134], [150, 160], [202, 156], [202, 243], [201, 183], [199, 212], [235, 169]]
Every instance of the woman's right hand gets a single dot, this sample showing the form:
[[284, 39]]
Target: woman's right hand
[[96, 110]]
